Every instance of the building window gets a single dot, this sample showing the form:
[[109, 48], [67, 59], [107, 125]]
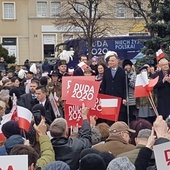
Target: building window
[[42, 9], [120, 10], [55, 8], [135, 13], [79, 6], [9, 10]]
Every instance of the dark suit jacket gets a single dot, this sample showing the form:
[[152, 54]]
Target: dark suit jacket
[[49, 116], [28, 101], [163, 94], [78, 72], [114, 86]]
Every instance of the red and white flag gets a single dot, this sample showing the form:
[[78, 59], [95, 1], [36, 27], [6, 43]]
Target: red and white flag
[[109, 106], [160, 54], [5, 119], [24, 118], [143, 85], [82, 65]]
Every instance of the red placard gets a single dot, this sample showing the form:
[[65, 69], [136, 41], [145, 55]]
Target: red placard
[[83, 91], [73, 115], [66, 82]]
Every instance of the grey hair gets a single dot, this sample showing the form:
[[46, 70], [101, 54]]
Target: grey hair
[[58, 128], [4, 95]]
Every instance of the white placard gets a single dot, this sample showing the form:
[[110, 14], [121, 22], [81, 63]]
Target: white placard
[[14, 162], [162, 156]]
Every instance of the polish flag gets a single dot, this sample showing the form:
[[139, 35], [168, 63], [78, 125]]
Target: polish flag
[[82, 65], [70, 71], [24, 118], [143, 85], [160, 54], [5, 119], [140, 86], [109, 106]]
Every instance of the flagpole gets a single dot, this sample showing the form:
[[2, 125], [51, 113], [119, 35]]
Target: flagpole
[[153, 104], [127, 98]]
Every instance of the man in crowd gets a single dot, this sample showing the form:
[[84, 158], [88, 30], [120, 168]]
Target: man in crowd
[[41, 94], [68, 149], [114, 82], [3, 65], [163, 88], [30, 99], [62, 68], [79, 71], [118, 140]]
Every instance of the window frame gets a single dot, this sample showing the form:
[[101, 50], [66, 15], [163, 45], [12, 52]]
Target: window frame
[[120, 10], [42, 16], [3, 10], [59, 11]]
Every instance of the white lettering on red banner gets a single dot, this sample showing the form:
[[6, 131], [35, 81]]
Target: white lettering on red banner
[[74, 113], [83, 92]]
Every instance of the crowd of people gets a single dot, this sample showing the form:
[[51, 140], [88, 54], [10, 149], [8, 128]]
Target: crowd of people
[[99, 144]]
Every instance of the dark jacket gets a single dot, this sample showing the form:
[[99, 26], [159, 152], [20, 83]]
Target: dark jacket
[[163, 94], [114, 86], [46, 67], [49, 115], [143, 159], [115, 144], [28, 101], [78, 72], [68, 149]]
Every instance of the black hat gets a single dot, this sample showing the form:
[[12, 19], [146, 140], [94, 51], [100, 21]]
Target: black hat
[[10, 128], [39, 107], [53, 73], [126, 62], [29, 72], [62, 62], [143, 67]]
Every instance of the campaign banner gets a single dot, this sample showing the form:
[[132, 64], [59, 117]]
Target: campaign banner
[[162, 156], [83, 91], [100, 110], [73, 115], [13, 162], [66, 83]]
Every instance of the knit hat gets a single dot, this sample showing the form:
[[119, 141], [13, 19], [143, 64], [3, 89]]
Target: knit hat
[[14, 91], [57, 165], [12, 141], [43, 81], [110, 53], [96, 136], [126, 62], [91, 162], [39, 107], [121, 163], [10, 128], [87, 151], [120, 126], [107, 157]]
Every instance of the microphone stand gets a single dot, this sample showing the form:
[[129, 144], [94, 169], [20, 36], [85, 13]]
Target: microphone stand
[[127, 97]]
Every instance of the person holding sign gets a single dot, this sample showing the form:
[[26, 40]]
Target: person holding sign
[[68, 149], [114, 81]]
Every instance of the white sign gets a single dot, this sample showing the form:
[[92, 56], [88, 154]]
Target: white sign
[[162, 156], [13, 162]]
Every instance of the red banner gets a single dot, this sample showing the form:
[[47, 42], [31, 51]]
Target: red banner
[[66, 82], [73, 115], [83, 91]]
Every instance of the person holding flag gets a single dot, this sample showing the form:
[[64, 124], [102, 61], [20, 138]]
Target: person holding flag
[[145, 110]]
